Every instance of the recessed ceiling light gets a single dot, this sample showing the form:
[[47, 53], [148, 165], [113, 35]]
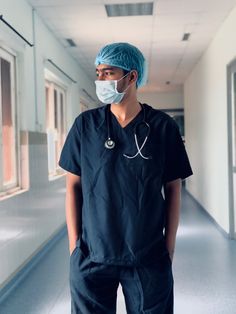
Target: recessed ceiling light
[[129, 9], [186, 36], [71, 42]]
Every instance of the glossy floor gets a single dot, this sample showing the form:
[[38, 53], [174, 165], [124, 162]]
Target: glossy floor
[[204, 270]]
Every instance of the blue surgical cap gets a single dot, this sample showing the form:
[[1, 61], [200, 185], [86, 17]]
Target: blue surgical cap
[[124, 56]]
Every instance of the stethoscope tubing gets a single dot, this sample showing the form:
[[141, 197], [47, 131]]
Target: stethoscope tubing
[[110, 144]]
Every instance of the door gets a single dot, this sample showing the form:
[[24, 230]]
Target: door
[[231, 90]]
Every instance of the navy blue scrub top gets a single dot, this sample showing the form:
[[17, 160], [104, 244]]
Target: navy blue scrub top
[[123, 211]]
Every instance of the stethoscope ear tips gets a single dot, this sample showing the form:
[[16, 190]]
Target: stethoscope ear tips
[[109, 144]]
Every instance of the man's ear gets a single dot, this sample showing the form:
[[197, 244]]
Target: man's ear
[[133, 76]]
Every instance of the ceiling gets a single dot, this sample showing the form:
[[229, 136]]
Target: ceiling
[[158, 36]]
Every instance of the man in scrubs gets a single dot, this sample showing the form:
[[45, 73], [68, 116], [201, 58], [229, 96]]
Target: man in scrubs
[[124, 162]]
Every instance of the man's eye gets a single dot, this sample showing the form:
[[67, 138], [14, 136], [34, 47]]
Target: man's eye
[[108, 73]]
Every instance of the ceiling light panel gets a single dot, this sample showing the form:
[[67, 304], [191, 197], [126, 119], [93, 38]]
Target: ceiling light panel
[[71, 42], [129, 9], [186, 37]]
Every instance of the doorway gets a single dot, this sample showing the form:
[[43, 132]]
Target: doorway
[[231, 99]]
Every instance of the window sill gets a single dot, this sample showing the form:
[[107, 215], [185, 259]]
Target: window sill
[[55, 177], [11, 192]]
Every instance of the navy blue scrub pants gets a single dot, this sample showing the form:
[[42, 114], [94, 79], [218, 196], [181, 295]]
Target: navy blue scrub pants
[[146, 289]]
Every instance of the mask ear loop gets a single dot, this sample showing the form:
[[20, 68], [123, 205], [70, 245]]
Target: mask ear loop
[[116, 83]]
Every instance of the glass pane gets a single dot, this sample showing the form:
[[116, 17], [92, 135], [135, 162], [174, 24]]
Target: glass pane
[[47, 107], [55, 110], [7, 125], [180, 122], [62, 114]]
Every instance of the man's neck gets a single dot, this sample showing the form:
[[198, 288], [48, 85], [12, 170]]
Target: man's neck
[[126, 111]]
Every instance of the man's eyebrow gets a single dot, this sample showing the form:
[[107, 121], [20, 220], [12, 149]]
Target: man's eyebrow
[[104, 69]]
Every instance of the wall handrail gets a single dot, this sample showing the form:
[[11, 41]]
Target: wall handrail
[[14, 30], [63, 72]]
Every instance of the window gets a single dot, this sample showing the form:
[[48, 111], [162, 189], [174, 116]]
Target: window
[[179, 119], [178, 116], [55, 120], [83, 105], [8, 133]]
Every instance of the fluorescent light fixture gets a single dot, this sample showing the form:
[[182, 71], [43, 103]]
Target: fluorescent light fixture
[[186, 36], [129, 9], [71, 42]]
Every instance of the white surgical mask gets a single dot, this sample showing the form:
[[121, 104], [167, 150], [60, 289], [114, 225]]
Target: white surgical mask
[[107, 91]]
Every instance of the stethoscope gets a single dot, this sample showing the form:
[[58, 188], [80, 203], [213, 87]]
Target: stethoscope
[[110, 143]]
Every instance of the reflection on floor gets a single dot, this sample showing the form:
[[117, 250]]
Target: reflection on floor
[[204, 270]]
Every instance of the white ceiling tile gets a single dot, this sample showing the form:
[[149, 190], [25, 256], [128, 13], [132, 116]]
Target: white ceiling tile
[[131, 22], [169, 20], [48, 3], [72, 13]]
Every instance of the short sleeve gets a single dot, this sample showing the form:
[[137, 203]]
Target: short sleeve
[[70, 155], [177, 164]]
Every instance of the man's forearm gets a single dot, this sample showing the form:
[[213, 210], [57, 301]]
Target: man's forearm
[[73, 209], [72, 222], [173, 199]]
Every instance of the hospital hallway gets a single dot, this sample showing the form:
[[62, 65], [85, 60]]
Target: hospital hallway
[[125, 96], [204, 272]]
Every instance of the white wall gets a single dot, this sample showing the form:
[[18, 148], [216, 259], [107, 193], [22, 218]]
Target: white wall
[[164, 100], [205, 97]]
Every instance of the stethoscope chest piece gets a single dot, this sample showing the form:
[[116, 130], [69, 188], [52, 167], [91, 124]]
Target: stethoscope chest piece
[[109, 144]]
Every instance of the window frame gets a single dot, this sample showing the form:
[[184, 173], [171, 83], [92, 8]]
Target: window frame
[[54, 129], [6, 188]]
